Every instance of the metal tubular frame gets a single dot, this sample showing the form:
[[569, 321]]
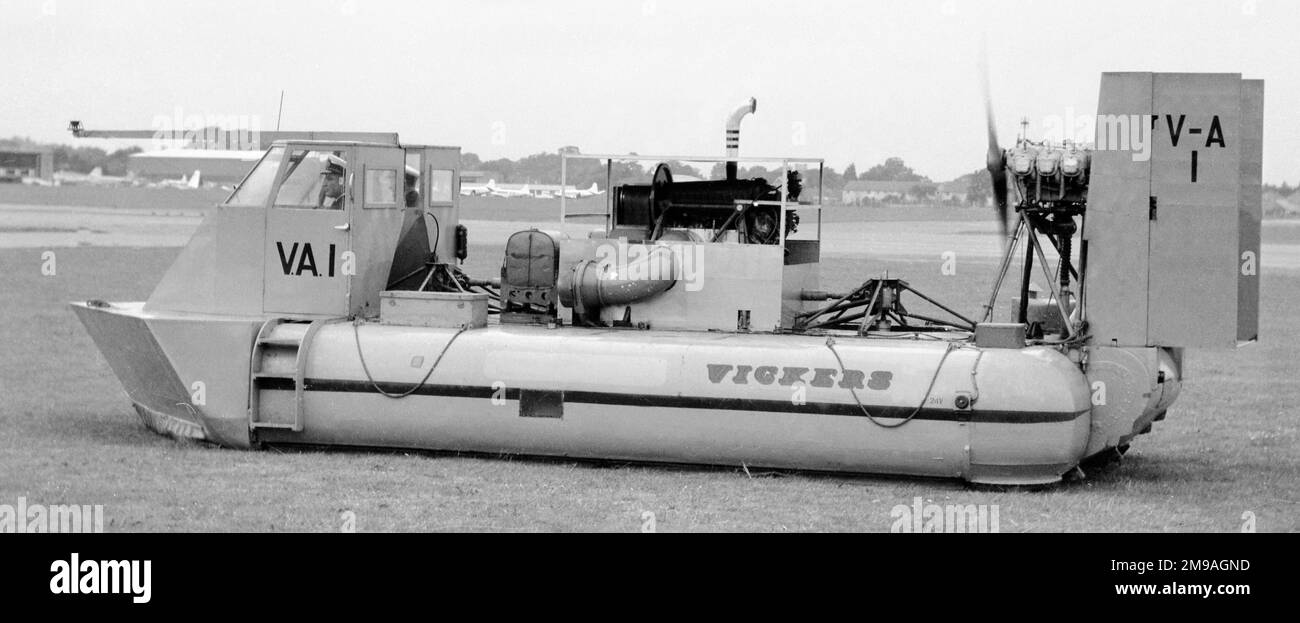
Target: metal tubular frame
[[609, 175], [1034, 249]]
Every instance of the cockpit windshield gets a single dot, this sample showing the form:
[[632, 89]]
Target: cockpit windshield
[[255, 188], [313, 180]]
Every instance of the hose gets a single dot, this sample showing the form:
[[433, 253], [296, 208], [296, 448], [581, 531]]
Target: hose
[[830, 343], [356, 334], [437, 230], [974, 372]]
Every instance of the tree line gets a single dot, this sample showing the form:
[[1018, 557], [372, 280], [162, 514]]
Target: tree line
[[544, 168]]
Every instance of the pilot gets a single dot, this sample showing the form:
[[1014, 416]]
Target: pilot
[[412, 187], [332, 189]]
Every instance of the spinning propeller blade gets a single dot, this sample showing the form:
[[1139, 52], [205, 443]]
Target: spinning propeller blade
[[995, 159]]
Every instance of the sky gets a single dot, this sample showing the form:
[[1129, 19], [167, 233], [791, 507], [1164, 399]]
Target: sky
[[852, 81]]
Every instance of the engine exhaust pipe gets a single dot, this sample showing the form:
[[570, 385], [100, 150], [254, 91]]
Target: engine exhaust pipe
[[590, 284], [733, 134]]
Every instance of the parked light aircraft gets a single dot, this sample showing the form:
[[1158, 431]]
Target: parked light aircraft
[[96, 177], [193, 182]]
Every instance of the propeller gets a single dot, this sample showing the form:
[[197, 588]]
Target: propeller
[[995, 159]]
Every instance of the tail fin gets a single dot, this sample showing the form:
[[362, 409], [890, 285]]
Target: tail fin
[[1195, 295], [97, 172], [195, 180]]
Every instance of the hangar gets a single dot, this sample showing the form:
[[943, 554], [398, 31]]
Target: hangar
[[17, 165]]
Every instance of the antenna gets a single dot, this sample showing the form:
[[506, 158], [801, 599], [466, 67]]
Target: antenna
[[279, 112], [1024, 128]]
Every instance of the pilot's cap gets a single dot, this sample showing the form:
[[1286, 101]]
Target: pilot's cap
[[333, 164]]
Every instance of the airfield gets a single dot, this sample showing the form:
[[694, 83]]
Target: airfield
[[1229, 448]]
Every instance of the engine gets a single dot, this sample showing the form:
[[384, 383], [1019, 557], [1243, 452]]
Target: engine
[[720, 206], [1049, 175]]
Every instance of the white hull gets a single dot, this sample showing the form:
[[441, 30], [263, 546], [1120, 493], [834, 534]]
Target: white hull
[[618, 394]]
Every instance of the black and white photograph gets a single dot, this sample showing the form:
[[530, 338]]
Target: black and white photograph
[[650, 266]]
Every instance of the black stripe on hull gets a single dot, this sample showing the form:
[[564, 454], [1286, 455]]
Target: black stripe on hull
[[690, 402]]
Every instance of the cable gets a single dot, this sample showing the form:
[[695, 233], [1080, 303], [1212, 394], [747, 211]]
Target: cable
[[437, 230], [830, 343], [974, 372], [356, 334]]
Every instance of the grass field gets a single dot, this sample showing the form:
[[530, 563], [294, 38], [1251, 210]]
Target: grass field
[[68, 435]]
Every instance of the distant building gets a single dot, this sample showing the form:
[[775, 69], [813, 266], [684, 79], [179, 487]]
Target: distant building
[[217, 166], [19, 164], [952, 192], [476, 177], [865, 191]]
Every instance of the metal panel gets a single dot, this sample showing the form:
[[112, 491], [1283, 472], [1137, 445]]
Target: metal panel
[[715, 284], [374, 232], [433, 309], [541, 403], [1115, 229], [220, 270], [142, 366], [1121, 380], [304, 268], [1195, 180], [795, 279], [440, 203], [305, 248], [1248, 248]]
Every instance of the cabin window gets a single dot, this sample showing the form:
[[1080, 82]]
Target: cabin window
[[314, 180], [440, 186], [381, 188], [411, 180], [256, 186]]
